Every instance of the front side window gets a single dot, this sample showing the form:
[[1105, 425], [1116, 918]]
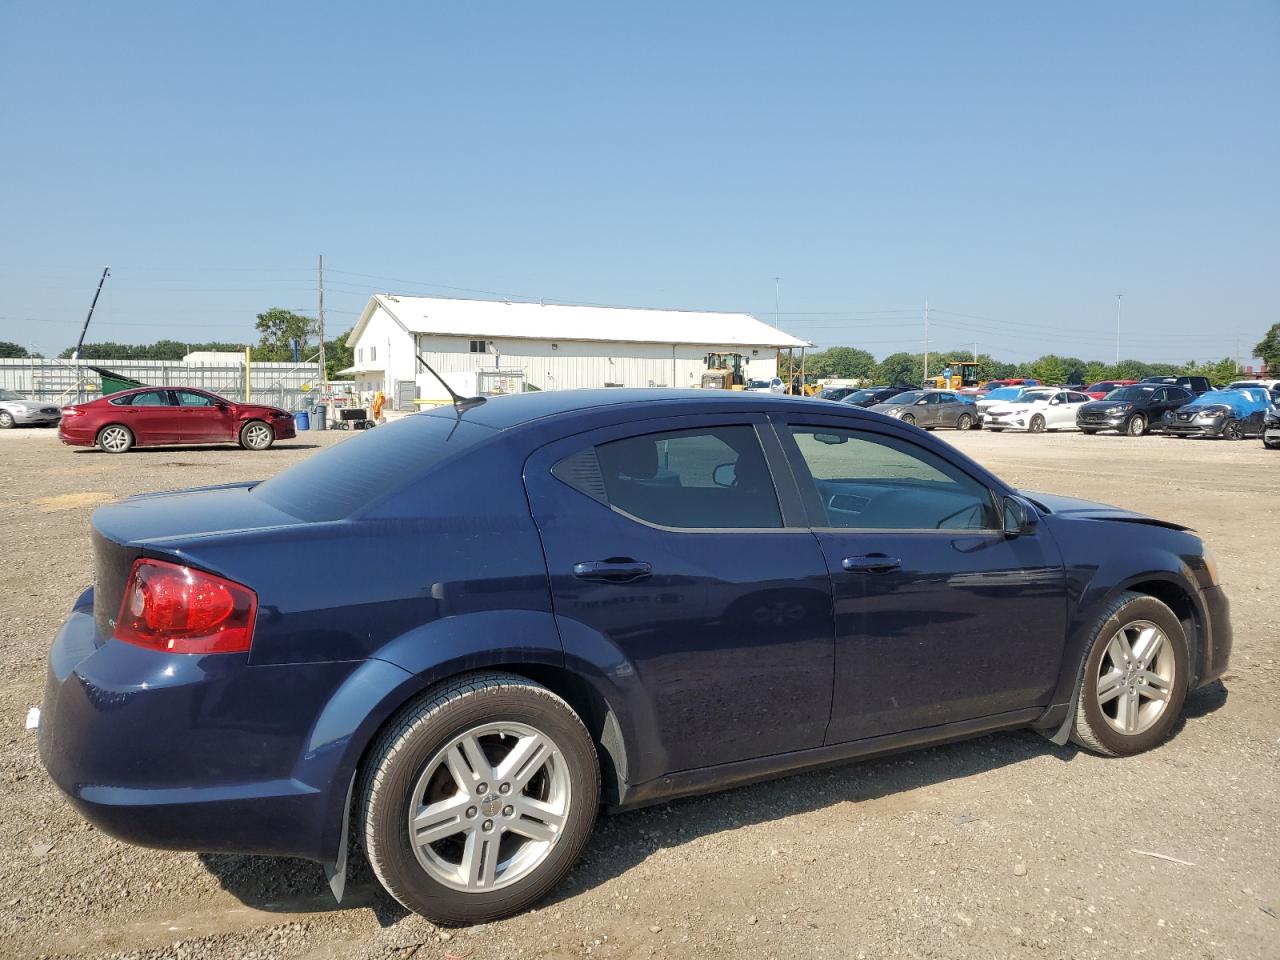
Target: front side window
[[188, 398], [872, 482], [152, 398], [706, 478]]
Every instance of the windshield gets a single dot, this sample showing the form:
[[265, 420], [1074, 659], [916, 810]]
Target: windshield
[[1005, 393], [1030, 396], [1131, 394], [904, 398], [757, 384], [10, 395], [859, 396], [1102, 386]]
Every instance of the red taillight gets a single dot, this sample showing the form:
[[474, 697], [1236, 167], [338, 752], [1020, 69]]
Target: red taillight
[[180, 610], [71, 411]]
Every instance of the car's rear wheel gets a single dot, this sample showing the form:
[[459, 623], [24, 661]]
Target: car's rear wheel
[[115, 438], [6, 420], [964, 422], [1135, 678], [1136, 426], [256, 435], [1037, 424], [1233, 430], [478, 799]]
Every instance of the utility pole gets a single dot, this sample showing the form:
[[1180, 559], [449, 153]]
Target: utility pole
[[926, 338], [1118, 296], [75, 354], [777, 299], [323, 374]]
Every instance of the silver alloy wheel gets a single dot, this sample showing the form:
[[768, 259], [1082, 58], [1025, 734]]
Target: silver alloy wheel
[[114, 439], [257, 436], [964, 422], [1137, 425], [489, 807], [6, 419], [1135, 677], [1036, 425]]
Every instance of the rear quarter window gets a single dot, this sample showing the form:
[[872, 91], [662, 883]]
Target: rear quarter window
[[342, 480]]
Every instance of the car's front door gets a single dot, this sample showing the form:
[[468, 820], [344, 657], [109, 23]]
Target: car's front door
[[940, 617], [930, 410], [203, 419], [669, 558]]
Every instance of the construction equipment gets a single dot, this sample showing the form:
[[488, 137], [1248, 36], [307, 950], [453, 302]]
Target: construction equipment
[[957, 375], [724, 372]]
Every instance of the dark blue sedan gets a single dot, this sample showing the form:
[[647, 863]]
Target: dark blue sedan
[[458, 635]]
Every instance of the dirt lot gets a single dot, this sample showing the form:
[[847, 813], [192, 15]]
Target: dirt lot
[[995, 847]]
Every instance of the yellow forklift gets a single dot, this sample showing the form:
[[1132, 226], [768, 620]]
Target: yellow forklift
[[958, 375]]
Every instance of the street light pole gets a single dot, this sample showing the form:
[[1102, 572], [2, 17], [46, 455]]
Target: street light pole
[[1118, 296]]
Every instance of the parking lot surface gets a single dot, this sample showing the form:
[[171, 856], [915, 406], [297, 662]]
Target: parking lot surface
[[994, 847]]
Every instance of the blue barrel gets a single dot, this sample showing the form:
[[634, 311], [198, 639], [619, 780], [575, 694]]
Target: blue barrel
[[302, 420]]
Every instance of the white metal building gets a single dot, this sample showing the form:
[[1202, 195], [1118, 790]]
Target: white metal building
[[549, 346]]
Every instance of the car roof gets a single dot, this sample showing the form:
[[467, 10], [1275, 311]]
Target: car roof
[[513, 410]]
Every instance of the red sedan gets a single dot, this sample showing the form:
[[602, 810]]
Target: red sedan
[[155, 416]]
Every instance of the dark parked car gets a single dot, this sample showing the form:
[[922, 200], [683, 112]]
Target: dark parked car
[[1271, 429], [1229, 414], [1099, 390], [557, 599], [1196, 385], [870, 396], [159, 416], [836, 393], [931, 408], [1131, 410]]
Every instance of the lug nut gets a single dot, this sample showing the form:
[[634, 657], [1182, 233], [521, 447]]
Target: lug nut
[[487, 826], [482, 787], [472, 811], [505, 788], [508, 810]]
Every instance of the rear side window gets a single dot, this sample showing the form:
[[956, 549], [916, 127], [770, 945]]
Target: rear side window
[[152, 398], [707, 478], [343, 479]]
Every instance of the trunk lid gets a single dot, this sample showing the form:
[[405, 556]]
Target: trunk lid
[[155, 524]]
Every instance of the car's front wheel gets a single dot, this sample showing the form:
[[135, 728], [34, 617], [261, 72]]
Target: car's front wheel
[[1135, 678], [1136, 426], [1037, 424], [478, 798], [256, 435], [1233, 430], [6, 420]]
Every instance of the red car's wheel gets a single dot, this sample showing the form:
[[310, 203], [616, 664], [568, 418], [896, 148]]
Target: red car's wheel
[[256, 435], [115, 438]]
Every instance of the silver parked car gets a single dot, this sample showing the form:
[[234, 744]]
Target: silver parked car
[[931, 408], [15, 410]]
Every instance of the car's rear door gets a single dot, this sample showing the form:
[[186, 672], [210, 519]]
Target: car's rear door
[[202, 419], [669, 552], [940, 617], [153, 417]]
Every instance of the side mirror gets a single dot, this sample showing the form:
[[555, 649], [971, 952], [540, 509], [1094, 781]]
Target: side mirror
[[724, 475], [1020, 517], [1054, 402], [921, 402]]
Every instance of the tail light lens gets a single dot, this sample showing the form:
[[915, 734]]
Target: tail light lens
[[174, 608]]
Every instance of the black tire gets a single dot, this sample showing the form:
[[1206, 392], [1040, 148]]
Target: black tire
[[1270, 444], [1136, 425], [115, 438], [1091, 728], [964, 421], [907, 418], [257, 435], [402, 753], [1036, 425], [6, 420], [1233, 430]]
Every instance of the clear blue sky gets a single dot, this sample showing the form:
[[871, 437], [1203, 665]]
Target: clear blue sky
[[1019, 163]]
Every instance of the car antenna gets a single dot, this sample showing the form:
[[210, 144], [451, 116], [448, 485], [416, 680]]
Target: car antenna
[[460, 403]]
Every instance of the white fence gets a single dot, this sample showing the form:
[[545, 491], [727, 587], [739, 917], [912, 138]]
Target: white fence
[[64, 381]]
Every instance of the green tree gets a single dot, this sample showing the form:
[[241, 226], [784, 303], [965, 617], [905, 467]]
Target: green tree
[[1048, 369], [1268, 348], [1223, 372], [279, 328], [901, 368], [337, 355], [9, 349], [1131, 370], [1096, 370], [842, 363]]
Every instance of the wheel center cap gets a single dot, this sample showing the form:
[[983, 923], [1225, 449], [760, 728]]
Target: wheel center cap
[[490, 805]]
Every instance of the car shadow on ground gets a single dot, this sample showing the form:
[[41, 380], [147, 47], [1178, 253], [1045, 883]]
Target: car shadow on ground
[[283, 446], [624, 840]]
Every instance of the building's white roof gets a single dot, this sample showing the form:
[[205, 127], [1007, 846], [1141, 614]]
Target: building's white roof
[[552, 321]]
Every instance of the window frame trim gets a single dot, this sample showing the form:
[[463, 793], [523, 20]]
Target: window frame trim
[[808, 491]]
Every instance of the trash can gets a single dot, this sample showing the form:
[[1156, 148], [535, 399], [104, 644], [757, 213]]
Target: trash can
[[319, 415], [302, 420]]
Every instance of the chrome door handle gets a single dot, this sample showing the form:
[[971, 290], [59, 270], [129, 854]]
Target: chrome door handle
[[612, 571], [873, 563]]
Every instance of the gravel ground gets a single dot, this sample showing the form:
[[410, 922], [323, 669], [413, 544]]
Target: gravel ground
[[1000, 846]]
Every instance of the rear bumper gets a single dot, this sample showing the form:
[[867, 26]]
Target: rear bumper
[[203, 752], [76, 436]]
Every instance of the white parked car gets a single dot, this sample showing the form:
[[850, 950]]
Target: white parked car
[[766, 386], [1036, 411]]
